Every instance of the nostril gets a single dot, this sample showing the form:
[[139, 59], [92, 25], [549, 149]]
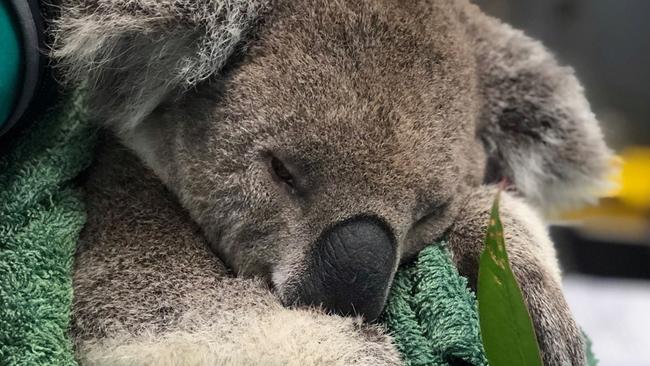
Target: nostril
[[350, 268]]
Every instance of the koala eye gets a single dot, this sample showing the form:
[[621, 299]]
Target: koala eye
[[281, 173], [432, 211]]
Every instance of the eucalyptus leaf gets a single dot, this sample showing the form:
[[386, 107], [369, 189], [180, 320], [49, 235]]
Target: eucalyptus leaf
[[506, 327]]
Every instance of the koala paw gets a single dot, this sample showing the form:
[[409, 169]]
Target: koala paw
[[533, 261]]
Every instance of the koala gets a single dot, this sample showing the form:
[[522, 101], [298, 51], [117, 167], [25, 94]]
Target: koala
[[317, 144], [149, 291]]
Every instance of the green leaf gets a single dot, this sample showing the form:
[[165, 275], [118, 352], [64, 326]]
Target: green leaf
[[506, 328]]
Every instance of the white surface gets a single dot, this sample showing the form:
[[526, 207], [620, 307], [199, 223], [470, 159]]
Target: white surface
[[615, 313]]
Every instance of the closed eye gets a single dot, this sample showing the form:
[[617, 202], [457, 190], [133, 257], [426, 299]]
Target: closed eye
[[431, 211], [281, 173]]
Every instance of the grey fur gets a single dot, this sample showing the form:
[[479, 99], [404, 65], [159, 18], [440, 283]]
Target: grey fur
[[148, 291], [536, 123], [386, 108], [133, 54]]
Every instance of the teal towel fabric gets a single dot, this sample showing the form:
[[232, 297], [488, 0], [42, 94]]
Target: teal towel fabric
[[11, 59], [432, 314], [40, 219]]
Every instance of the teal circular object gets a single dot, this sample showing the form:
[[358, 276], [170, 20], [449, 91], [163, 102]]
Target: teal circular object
[[11, 61]]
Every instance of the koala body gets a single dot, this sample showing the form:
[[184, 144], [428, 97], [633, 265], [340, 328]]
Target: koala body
[[319, 144]]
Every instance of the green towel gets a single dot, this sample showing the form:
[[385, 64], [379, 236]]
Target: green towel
[[430, 312], [433, 316], [40, 219]]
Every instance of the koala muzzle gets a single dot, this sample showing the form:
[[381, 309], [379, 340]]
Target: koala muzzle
[[351, 268]]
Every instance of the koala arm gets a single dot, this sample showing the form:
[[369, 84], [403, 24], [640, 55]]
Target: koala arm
[[533, 261]]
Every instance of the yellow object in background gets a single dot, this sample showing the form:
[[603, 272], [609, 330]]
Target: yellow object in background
[[623, 214], [634, 187]]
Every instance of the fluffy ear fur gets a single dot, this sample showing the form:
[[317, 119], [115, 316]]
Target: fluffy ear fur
[[135, 53], [536, 124]]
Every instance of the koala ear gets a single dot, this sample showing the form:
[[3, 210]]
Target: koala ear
[[536, 124], [130, 55]]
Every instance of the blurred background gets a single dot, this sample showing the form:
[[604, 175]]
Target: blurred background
[[604, 250]]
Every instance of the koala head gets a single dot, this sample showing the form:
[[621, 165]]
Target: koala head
[[317, 143]]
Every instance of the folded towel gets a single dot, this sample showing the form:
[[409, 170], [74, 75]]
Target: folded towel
[[431, 313], [41, 216]]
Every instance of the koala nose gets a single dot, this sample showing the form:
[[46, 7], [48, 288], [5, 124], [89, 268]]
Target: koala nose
[[351, 268]]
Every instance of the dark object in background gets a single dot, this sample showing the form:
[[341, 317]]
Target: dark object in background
[[583, 254], [607, 43], [33, 87]]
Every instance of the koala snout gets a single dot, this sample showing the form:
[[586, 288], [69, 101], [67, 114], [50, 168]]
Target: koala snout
[[350, 268]]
